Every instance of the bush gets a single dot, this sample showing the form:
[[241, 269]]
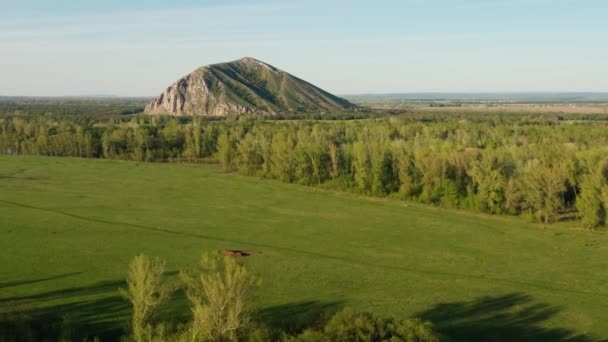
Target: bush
[[349, 325]]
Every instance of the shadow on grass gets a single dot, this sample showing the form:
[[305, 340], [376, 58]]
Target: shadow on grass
[[512, 317], [65, 314], [103, 317], [293, 318], [61, 294], [70, 313], [32, 281]]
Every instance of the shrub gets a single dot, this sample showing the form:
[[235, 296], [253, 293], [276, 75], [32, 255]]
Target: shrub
[[349, 325]]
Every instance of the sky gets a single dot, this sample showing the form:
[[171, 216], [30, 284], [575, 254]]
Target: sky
[[139, 47]]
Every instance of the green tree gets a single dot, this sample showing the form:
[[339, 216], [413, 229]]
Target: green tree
[[282, 156], [489, 186], [146, 291], [543, 186], [384, 179], [220, 296], [362, 166], [225, 151], [249, 158], [590, 203], [192, 143], [409, 176], [335, 158]]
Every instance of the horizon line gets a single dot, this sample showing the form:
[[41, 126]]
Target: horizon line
[[454, 92]]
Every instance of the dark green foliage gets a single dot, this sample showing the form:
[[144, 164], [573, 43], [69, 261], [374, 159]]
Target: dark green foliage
[[351, 326], [72, 106], [590, 203], [494, 165]]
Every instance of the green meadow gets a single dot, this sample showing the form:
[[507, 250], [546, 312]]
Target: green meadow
[[70, 226]]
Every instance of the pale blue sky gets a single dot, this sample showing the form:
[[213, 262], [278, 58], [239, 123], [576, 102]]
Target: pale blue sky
[[135, 48]]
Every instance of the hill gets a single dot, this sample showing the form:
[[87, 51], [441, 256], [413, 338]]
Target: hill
[[244, 86]]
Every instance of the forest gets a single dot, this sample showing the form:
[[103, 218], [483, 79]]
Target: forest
[[547, 168]]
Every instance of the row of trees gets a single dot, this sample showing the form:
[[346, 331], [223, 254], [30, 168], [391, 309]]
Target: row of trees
[[143, 139], [547, 173], [546, 170]]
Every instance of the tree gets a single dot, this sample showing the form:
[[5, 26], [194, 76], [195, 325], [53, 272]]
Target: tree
[[220, 296], [383, 177], [319, 160], [302, 166], [146, 291], [489, 185], [589, 203], [334, 157], [282, 156], [208, 141], [409, 185], [142, 144], [362, 166], [192, 146], [249, 158], [543, 187], [225, 151], [433, 168], [265, 151]]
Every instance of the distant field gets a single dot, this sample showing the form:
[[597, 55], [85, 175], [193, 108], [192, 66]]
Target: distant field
[[70, 226], [523, 108], [536, 103]]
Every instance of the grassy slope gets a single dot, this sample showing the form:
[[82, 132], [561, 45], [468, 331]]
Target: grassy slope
[[70, 226]]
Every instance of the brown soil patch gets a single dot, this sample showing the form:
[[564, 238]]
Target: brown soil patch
[[239, 252]]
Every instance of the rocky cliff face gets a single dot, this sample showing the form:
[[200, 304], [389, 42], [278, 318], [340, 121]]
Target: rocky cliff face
[[245, 86]]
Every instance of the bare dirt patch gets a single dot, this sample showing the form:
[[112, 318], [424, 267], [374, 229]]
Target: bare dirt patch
[[239, 252]]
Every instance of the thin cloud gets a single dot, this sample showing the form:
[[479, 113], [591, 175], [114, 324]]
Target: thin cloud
[[133, 22]]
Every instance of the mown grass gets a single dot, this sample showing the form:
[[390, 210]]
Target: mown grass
[[69, 227]]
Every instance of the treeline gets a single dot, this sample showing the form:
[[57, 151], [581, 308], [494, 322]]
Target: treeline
[[544, 168], [99, 106]]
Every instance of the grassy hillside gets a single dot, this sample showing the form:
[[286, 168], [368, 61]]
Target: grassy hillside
[[70, 226]]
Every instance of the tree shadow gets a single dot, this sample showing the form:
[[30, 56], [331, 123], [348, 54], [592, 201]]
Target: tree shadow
[[511, 317], [294, 318], [69, 313], [38, 280], [104, 317], [63, 294], [72, 313]]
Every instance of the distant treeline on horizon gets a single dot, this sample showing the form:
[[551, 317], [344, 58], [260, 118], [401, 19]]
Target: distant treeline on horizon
[[489, 96], [413, 96]]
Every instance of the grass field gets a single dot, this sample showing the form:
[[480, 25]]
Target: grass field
[[70, 226]]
